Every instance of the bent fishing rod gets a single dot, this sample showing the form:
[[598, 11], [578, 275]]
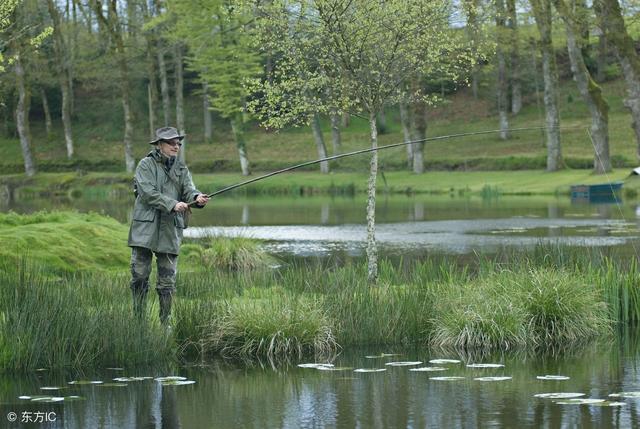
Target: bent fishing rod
[[371, 149]]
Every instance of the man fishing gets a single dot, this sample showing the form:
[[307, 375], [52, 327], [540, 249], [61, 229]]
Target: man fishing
[[164, 193]]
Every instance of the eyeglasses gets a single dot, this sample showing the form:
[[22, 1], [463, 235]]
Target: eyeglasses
[[172, 143]]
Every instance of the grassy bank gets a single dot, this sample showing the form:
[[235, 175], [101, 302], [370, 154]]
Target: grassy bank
[[527, 182]]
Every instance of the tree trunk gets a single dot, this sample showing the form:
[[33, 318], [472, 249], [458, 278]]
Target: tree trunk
[[238, 134], [501, 84], [164, 85], [516, 86], [319, 139], [47, 113], [152, 116], [152, 90], [542, 13], [206, 111], [22, 118], [418, 132], [336, 138], [63, 76], [471, 10], [405, 121], [372, 249], [624, 46], [180, 100], [112, 24], [345, 120], [590, 91], [382, 121]]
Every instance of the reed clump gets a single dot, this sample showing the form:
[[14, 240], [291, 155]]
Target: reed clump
[[233, 254], [273, 326]]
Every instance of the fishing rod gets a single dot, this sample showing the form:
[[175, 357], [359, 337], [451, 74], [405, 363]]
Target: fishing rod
[[371, 149]]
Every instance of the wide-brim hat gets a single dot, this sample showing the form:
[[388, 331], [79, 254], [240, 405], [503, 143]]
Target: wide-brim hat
[[166, 133]]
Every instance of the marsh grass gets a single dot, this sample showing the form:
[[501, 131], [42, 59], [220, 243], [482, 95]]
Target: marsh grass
[[548, 297], [234, 254]]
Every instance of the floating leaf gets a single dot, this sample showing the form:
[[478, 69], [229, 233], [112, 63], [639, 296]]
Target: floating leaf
[[73, 398], [177, 382], [579, 401], [492, 378], [113, 385], [315, 365], [552, 377], [370, 370], [625, 395], [428, 369], [558, 395], [403, 363], [452, 378], [52, 388], [24, 397], [81, 382], [485, 365], [332, 368], [382, 355], [610, 404], [171, 378], [129, 379], [443, 361], [47, 399]]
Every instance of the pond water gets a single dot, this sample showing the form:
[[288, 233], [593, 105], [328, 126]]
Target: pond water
[[406, 225], [287, 396]]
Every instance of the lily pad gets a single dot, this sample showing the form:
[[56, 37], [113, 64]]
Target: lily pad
[[334, 368], [403, 363], [452, 378], [24, 397], [428, 369], [81, 382], [315, 365], [171, 378], [579, 401], [177, 382], [370, 370], [47, 399], [625, 395], [113, 385], [382, 355], [443, 361], [492, 378], [73, 398], [558, 395], [485, 365], [129, 379], [552, 377], [610, 404], [52, 388]]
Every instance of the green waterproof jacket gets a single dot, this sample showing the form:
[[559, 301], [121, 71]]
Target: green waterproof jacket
[[155, 225]]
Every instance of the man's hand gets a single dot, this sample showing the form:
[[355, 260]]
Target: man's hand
[[180, 207], [202, 200]]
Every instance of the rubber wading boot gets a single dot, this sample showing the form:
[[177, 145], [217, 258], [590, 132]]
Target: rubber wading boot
[[139, 291], [165, 308]]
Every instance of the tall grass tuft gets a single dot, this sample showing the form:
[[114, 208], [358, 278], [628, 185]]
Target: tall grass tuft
[[275, 325], [234, 254]]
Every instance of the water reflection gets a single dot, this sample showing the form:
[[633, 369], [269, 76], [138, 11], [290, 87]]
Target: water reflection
[[228, 396]]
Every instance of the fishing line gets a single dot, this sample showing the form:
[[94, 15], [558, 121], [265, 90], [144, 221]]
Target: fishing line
[[361, 151], [618, 205]]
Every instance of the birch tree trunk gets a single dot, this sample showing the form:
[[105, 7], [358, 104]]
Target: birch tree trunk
[[319, 139], [22, 118], [206, 111], [336, 138], [180, 100], [63, 76], [516, 85], [238, 134], [405, 121], [47, 112], [624, 46], [418, 132], [164, 85], [542, 12], [501, 84], [372, 249], [589, 89]]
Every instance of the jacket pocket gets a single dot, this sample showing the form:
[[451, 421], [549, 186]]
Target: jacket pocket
[[144, 214], [178, 221]]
